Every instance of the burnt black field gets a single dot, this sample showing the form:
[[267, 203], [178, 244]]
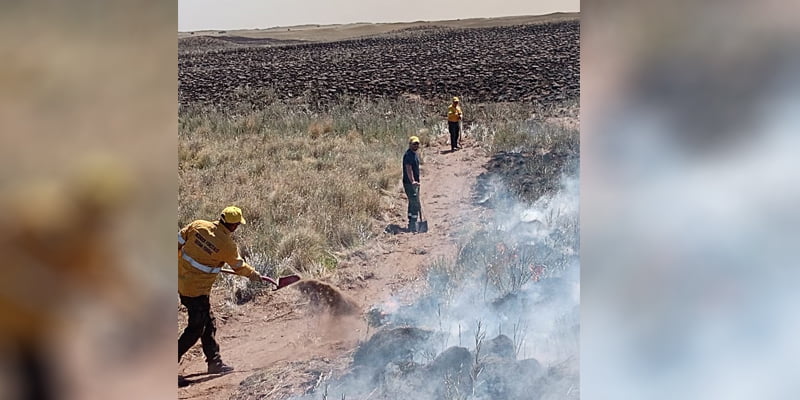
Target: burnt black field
[[537, 64]]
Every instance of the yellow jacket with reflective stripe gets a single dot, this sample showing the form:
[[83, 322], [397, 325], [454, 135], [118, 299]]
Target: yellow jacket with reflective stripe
[[454, 114], [210, 245]]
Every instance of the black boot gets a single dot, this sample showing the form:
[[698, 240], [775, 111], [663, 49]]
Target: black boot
[[412, 226], [219, 367]]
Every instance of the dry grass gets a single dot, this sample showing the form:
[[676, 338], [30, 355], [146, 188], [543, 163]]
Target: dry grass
[[517, 127], [285, 379], [307, 182], [502, 261], [310, 179]]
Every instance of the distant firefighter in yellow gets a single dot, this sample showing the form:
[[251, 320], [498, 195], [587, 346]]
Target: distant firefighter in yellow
[[454, 117]]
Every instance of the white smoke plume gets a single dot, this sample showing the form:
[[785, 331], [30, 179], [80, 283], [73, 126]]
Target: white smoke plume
[[690, 196], [520, 278]]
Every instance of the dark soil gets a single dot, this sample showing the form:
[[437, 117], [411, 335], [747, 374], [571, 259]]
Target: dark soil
[[536, 63], [528, 176], [325, 296]]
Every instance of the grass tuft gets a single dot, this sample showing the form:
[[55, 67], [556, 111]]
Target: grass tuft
[[313, 180]]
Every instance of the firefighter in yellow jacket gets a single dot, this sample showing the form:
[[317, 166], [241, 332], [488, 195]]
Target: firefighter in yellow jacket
[[454, 117], [204, 247]]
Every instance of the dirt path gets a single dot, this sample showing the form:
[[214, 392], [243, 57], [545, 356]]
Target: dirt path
[[288, 345]]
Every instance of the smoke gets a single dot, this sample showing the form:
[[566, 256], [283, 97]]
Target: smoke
[[513, 289], [690, 197], [543, 238]]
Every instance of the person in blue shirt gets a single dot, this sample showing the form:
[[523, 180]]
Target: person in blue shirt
[[411, 182]]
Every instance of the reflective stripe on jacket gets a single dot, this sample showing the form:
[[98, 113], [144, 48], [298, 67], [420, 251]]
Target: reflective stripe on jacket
[[204, 247], [201, 267]]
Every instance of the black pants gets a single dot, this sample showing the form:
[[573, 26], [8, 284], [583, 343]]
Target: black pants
[[455, 133], [202, 325]]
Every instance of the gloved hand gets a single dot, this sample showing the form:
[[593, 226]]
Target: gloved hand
[[255, 277]]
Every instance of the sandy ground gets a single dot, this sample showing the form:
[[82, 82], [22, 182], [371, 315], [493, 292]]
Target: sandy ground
[[284, 335]]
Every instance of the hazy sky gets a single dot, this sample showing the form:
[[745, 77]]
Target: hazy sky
[[241, 14]]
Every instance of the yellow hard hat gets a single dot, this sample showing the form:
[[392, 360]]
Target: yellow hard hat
[[455, 99], [233, 215], [413, 139]]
